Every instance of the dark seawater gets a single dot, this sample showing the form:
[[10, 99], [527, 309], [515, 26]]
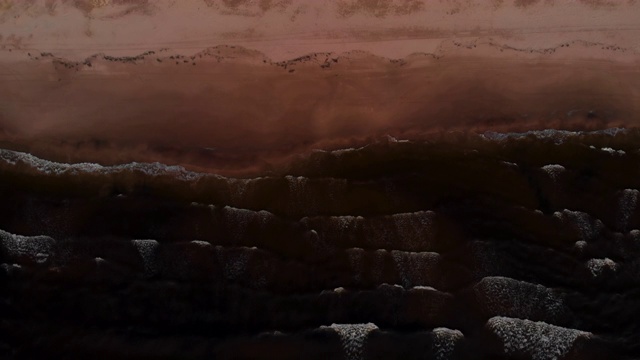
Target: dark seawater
[[492, 246]]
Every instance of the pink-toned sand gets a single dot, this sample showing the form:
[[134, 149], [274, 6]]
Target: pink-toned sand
[[231, 85]]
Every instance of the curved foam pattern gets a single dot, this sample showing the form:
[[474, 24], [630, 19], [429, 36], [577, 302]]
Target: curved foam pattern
[[533, 340], [418, 241], [353, 338], [518, 299], [36, 248]]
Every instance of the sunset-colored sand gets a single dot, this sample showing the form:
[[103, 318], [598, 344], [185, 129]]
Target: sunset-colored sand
[[233, 85]]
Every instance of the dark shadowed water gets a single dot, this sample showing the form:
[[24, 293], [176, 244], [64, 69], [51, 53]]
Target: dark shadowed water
[[493, 246]]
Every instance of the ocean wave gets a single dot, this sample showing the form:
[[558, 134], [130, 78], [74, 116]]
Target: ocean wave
[[517, 245], [557, 136], [534, 340], [56, 168]]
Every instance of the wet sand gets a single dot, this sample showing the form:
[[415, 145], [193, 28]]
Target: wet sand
[[232, 109], [237, 86]]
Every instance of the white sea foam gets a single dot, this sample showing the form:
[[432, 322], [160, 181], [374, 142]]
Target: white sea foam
[[534, 340], [148, 250], [340, 227], [10, 269], [37, 248], [558, 136], [299, 195], [414, 229], [56, 168], [343, 151], [353, 338], [201, 243], [392, 139], [445, 341], [416, 268], [580, 245], [613, 151], [241, 189], [424, 288], [627, 205], [553, 170], [509, 297], [598, 266], [339, 152], [588, 228], [239, 220]]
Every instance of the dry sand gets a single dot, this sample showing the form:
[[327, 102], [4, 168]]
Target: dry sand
[[233, 85]]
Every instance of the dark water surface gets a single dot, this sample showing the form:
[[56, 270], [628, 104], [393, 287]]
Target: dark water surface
[[492, 246]]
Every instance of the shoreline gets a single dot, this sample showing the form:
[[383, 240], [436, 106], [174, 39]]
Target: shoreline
[[256, 111]]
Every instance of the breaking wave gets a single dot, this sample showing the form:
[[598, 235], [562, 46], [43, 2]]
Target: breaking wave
[[463, 246]]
